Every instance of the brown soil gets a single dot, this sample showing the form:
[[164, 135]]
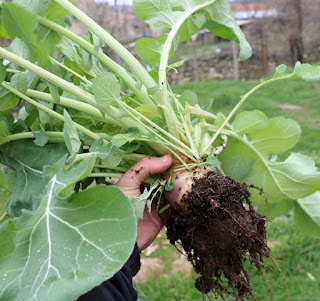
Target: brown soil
[[219, 231]]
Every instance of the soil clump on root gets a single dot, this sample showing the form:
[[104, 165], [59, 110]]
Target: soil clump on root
[[218, 228]]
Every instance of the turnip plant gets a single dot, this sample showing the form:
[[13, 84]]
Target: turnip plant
[[87, 119]]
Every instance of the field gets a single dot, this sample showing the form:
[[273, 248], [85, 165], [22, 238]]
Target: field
[[165, 273]]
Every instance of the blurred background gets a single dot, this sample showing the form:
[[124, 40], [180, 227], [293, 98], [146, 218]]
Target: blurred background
[[280, 32]]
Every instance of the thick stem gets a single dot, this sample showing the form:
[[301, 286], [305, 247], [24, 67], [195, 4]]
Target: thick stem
[[29, 135], [131, 61], [169, 113]]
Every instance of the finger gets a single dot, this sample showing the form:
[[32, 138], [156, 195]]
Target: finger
[[146, 167]]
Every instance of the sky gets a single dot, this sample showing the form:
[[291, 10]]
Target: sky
[[111, 2]]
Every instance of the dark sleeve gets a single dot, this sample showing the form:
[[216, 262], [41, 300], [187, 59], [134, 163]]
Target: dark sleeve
[[119, 287]]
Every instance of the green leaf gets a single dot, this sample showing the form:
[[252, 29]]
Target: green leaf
[[216, 15], [6, 123], [106, 89], [71, 136], [249, 122], [213, 162], [148, 111], [177, 64], [188, 97], [33, 6], [280, 135], [149, 50], [307, 72], [54, 11], [280, 71], [66, 179], [307, 214], [7, 100], [20, 48], [114, 157], [191, 26], [3, 33], [18, 22], [51, 255], [223, 24], [19, 81], [41, 138], [27, 160], [295, 178], [96, 41], [237, 160], [100, 149]]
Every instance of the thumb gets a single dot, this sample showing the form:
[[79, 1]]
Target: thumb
[[130, 182]]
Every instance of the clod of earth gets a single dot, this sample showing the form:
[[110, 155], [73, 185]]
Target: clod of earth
[[219, 230]]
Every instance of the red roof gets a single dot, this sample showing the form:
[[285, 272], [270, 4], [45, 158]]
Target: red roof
[[250, 7]]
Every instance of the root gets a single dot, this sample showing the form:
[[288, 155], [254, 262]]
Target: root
[[284, 279], [219, 230]]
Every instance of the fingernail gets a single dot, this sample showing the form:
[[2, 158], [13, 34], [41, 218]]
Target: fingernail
[[165, 159]]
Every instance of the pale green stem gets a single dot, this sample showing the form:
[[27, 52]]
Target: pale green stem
[[112, 167], [48, 76], [105, 175], [13, 71], [133, 157], [243, 99], [74, 104], [184, 122], [71, 71], [51, 112], [169, 113], [3, 216], [197, 112], [29, 135], [130, 60], [148, 181], [113, 66]]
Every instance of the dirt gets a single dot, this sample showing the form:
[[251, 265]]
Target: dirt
[[219, 231]]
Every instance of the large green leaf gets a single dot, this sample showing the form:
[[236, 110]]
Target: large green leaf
[[250, 157], [294, 178], [307, 214], [28, 160], [223, 24], [280, 135], [64, 249], [190, 16]]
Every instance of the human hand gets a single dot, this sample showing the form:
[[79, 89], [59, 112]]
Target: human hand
[[129, 183]]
